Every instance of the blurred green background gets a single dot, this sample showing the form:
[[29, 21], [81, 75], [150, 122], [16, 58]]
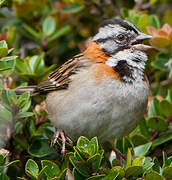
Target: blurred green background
[[38, 35]]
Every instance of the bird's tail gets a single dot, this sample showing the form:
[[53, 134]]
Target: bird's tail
[[22, 89]]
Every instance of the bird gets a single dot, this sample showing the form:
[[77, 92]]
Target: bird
[[102, 91]]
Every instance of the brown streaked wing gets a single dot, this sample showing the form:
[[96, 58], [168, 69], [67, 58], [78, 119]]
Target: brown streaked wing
[[60, 78]]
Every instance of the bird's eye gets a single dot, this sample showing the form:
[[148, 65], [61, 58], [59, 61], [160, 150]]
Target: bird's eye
[[121, 37]]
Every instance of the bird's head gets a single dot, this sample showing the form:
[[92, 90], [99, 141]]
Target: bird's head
[[119, 44], [117, 35]]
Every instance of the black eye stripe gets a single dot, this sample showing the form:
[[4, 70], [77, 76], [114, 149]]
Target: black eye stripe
[[102, 40]]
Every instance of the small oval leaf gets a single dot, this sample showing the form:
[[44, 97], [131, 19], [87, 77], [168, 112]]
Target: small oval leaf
[[49, 26]]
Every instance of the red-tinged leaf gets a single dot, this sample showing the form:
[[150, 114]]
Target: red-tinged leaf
[[151, 30], [167, 28]]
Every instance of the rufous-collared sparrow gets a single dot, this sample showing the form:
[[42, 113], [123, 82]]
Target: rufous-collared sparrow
[[103, 91]]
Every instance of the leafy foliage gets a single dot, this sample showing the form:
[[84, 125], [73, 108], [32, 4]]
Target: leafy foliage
[[34, 35]]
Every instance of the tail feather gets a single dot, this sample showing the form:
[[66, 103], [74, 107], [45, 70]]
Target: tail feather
[[22, 89]]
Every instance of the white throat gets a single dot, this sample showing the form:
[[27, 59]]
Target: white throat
[[135, 60]]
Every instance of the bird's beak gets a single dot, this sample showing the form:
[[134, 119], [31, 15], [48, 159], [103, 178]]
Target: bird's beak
[[137, 44], [142, 37]]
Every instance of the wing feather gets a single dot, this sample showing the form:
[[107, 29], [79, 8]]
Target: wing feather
[[60, 78]]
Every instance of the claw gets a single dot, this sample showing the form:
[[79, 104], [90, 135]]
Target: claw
[[60, 133]]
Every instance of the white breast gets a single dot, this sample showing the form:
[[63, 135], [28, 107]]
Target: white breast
[[106, 108]]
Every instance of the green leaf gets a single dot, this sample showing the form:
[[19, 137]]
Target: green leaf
[[155, 21], [157, 123], [3, 44], [143, 22], [154, 108], [96, 177], [115, 162], [24, 115], [2, 158], [169, 161], [3, 48], [31, 168], [21, 141], [40, 148], [153, 175], [52, 168], [111, 176], [143, 128], [142, 149], [147, 164], [134, 171], [7, 64], [21, 178], [49, 26], [46, 71], [169, 96], [73, 8], [25, 96], [3, 176], [1, 85], [60, 32], [123, 144], [137, 161], [18, 127], [95, 160], [10, 50], [32, 31], [5, 116], [94, 141], [12, 97], [24, 102], [162, 139], [167, 172], [42, 172], [77, 175], [22, 67], [133, 17], [77, 154], [165, 159], [26, 105], [138, 139], [80, 167], [5, 101], [11, 163], [129, 158], [124, 12], [8, 58], [4, 69], [82, 142], [160, 62], [156, 167], [120, 171], [31, 127], [62, 174], [166, 108], [36, 64], [92, 147], [30, 175], [168, 17]]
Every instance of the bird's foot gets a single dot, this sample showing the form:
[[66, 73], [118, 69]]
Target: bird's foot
[[60, 134]]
